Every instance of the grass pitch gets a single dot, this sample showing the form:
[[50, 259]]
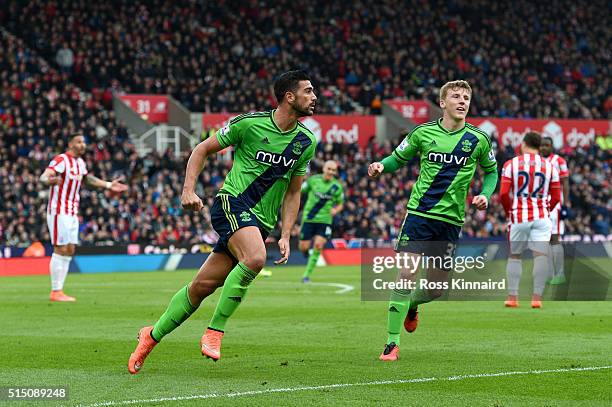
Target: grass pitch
[[295, 337]]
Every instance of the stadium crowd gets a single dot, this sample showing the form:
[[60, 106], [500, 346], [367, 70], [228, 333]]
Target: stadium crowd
[[525, 59], [41, 103]]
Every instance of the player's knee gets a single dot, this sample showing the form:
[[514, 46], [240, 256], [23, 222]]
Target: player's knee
[[304, 246], [434, 293], [319, 245], [255, 261], [554, 239], [200, 289]]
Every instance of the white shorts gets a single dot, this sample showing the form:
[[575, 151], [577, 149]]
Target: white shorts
[[64, 229], [558, 226], [534, 235]]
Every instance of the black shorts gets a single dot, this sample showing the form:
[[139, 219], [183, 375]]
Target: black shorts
[[427, 236], [227, 215], [311, 229]]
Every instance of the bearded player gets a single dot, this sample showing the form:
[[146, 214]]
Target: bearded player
[[449, 150], [325, 199], [64, 176], [272, 152], [557, 213]]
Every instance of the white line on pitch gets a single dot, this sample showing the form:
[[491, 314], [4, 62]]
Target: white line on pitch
[[343, 385], [343, 288]]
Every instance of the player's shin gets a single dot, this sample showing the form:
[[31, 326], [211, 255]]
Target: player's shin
[[558, 260], [234, 290], [514, 269], [540, 274], [179, 309], [398, 309], [312, 262]]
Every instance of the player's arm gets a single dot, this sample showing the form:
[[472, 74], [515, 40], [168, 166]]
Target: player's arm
[[195, 165], [49, 177], [398, 158], [338, 203], [566, 187], [506, 186], [555, 189], [114, 185], [289, 212], [489, 165]]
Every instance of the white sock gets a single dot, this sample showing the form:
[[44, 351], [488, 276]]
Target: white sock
[[514, 269], [540, 274], [58, 268], [558, 259]]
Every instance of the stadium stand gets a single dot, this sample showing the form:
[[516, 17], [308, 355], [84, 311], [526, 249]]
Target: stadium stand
[[58, 75], [526, 59]]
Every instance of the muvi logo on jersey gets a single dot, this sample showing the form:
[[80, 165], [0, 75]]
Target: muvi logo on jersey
[[274, 159], [446, 158]]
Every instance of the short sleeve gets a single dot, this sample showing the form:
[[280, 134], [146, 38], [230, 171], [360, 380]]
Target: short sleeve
[[563, 171], [58, 164], [507, 170], [230, 134], [487, 159], [409, 147]]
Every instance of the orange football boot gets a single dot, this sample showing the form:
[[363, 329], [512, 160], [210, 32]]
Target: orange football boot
[[536, 301], [146, 343], [411, 321], [391, 353], [511, 302], [59, 296], [211, 344]]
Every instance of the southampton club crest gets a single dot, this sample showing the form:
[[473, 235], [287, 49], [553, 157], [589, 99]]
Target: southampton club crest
[[466, 146], [297, 148], [245, 216]]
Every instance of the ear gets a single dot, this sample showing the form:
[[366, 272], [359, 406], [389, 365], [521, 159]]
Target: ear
[[442, 104], [290, 97]]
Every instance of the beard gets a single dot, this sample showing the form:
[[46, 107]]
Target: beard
[[301, 111]]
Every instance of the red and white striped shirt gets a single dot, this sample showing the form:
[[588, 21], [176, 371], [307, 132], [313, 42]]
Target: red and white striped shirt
[[560, 165], [530, 177], [64, 198]]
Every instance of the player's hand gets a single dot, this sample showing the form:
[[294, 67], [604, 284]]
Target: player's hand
[[117, 186], [190, 200], [564, 212], [283, 245], [375, 169], [481, 202], [54, 180]]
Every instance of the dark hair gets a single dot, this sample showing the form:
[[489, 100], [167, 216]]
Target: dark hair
[[533, 139], [73, 135], [547, 138], [288, 82]]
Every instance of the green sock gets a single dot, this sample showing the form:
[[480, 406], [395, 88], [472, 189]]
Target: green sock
[[398, 309], [177, 312], [234, 290], [419, 297], [312, 262]]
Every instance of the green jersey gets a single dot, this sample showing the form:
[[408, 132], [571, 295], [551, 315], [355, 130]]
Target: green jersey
[[448, 161], [265, 159], [322, 197]]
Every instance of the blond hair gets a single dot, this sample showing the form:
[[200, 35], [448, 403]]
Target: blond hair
[[454, 85]]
